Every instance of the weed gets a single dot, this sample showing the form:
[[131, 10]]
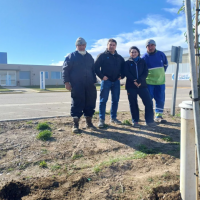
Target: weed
[[166, 175], [144, 149], [167, 139], [77, 156], [55, 167], [96, 112], [178, 115], [44, 151], [44, 135], [150, 179], [10, 169], [43, 164], [18, 174], [59, 174], [126, 122], [175, 143], [29, 122], [136, 155], [43, 126], [24, 166]]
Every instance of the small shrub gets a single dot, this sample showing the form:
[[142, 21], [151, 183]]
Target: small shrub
[[55, 167], [167, 139], [76, 156], [43, 164], [43, 126], [44, 135], [126, 122]]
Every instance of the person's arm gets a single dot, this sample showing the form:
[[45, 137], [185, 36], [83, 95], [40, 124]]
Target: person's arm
[[97, 66], [165, 62], [93, 72], [127, 72], [122, 69], [144, 74], [67, 66]]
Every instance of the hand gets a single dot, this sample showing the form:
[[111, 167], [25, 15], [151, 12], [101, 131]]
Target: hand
[[119, 78], [68, 86], [105, 78], [136, 84]]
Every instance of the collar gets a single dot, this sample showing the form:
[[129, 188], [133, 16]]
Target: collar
[[152, 53], [108, 52]]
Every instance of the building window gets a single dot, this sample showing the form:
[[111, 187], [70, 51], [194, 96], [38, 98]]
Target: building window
[[55, 75], [24, 75], [46, 75]]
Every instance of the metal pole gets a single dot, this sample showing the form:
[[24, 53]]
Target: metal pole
[[188, 179], [193, 76], [196, 39], [175, 84]]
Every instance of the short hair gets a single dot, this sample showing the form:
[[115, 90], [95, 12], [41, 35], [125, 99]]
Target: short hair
[[134, 47], [112, 40]]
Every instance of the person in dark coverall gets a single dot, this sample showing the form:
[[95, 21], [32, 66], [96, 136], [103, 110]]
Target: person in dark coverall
[[79, 77], [136, 71], [109, 68]]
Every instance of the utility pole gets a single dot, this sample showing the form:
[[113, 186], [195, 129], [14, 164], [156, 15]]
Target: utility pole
[[193, 76]]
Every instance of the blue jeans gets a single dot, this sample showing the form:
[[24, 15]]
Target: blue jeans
[[157, 92], [106, 86]]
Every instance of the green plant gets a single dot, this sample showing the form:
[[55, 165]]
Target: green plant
[[178, 115], [167, 139], [76, 156], [24, 166], [150, 179], [55, 167], [43, 126], [29, 122], [44, 135], [10, 169], [126, 122], [43, 164], [144, 149], [44, 151]]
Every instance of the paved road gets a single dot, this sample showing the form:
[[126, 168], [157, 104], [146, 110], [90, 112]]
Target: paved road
[[37, 105]]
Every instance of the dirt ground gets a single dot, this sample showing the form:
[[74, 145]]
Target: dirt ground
[[117, 162]]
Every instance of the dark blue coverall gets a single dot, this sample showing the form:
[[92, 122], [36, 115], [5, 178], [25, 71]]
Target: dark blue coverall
[[79, 71]]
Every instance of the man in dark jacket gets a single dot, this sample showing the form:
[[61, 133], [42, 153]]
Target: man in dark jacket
[[79, 77], [109, 68]]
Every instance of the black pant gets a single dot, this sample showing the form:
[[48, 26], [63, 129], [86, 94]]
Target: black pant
[[146, 99], [83, 100]]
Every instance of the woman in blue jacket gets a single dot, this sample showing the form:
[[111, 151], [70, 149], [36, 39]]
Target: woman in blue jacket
[[136, 72]]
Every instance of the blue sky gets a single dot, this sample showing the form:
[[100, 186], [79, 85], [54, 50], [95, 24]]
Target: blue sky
[[43, 32]]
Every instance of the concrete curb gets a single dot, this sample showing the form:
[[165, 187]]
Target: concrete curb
[[34, 118], [11, 92]]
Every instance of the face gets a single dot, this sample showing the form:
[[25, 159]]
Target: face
[[111, 46], [151, 48], [134, 53], [81, 47]]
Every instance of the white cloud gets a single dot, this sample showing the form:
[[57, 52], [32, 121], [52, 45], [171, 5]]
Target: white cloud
[[164, 31], [176, 2], [171, 10], [60, 63]]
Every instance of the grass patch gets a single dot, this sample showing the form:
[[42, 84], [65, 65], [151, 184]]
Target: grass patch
[[10, 169], [77, 156], [44, 135], [126, 122], [167, 139], [178, 115], [136, 155], [4, 89], [43, 126], [29, 122], [146, 150], [55, 167], [24, 166], [43, 164], [44, 151]]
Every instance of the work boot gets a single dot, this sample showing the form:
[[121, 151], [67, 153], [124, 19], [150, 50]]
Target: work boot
[[75, 125], [160, 120], [101, 123], [136, 125], [89, 123]]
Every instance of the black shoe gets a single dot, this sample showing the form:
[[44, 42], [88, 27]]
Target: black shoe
[[89, 123], [160, 120], [75, 127]]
